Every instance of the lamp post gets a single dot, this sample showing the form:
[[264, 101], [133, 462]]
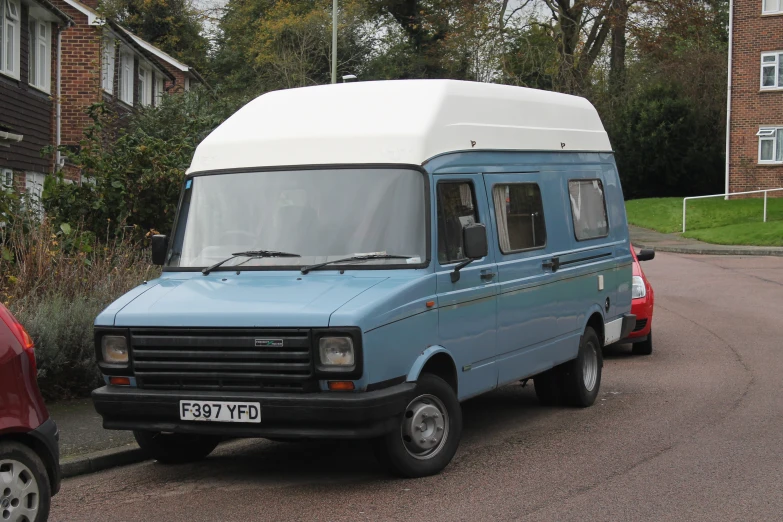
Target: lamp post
[[334, 41]]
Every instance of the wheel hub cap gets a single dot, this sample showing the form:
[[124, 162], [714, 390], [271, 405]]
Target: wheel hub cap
[[590, 367], [18, 491], [425, 427]]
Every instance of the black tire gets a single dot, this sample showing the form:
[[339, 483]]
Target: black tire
[[12, 454], [576, 390], [392, 450], [176, 448], [549, 387], [643, 348]]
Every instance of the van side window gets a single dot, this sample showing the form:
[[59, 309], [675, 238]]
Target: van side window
[[520, 217], [456, 208], [588, 207]]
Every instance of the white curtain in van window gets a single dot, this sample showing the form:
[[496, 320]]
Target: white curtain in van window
[[588, 208], [500, 196]]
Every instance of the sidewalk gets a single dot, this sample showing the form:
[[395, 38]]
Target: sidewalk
[[85, 447], [645, 238]]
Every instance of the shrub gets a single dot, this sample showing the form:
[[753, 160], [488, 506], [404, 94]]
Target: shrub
[[56, 281], [135, 166]]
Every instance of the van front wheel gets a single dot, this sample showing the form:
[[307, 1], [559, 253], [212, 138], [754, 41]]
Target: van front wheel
[[582, 376], [429, 431]]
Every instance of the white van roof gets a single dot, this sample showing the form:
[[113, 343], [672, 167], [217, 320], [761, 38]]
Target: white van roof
[[401, 121]]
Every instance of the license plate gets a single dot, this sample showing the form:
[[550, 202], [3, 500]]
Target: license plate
[[220, 411]]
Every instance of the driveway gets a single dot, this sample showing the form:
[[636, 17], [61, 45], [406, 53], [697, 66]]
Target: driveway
[[694, 432]]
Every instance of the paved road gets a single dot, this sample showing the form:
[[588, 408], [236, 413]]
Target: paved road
[[694, 432]]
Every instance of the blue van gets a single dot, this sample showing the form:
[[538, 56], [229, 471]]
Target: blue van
[[355, 260]]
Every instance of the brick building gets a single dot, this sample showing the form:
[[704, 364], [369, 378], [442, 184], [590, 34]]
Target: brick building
[[29, 34], [755, 159], [43, 96]]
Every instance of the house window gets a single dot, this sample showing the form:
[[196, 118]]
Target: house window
[[772, 70], [770, 145], [6, 179], [187, 83], [772, 6], [588, 208], [145, 86], [107, 65], [519, 213], [158, 89], [40, 54], [126, 77], [9, 37]]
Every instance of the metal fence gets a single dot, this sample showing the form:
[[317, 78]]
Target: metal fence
[[685, 201]]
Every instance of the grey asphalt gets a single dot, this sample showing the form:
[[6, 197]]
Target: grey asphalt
[[693, 432], [81, 429]]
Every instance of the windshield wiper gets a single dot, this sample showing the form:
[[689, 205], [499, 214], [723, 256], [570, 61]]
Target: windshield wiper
[[249, 253], [307, 268]]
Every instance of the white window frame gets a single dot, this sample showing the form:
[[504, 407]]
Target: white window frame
[[126, 77], [770, 134], [145, 85], [40, 54], [159, 88], [777, 10], [108, 65], [10, 23], [778, 55]]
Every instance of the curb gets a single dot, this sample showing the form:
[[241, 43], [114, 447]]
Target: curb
[[101, 460], [737, 251]]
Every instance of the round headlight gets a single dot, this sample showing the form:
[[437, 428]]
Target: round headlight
[[114, 349], [336, 351]]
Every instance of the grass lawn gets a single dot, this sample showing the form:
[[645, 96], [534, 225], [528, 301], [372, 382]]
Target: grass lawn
[[735, 222]]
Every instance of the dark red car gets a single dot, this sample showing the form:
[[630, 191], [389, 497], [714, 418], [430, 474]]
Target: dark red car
[[29, 455], [642, 305]]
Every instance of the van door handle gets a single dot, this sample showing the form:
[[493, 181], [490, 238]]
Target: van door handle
[[487, 276], [553, 263]]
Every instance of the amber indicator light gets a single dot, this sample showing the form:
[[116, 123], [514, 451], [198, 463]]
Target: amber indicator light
[[119, 381], [341, 385]]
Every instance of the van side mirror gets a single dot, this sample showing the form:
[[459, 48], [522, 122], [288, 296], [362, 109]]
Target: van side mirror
[[474, 246], [646, 255], [474, 240], [160, 244]]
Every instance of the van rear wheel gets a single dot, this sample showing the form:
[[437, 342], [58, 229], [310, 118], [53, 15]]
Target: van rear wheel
[[176, 448], [429, 431], [582, 376]]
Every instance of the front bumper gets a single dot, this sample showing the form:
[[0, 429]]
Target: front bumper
[[342, 415]]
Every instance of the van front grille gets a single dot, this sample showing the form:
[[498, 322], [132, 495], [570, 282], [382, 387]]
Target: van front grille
[[230, 360]]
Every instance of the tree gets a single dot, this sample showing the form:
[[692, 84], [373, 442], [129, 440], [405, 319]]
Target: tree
[[265, 44], [174, 26]]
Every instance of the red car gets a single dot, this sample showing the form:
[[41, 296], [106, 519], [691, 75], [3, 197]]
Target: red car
[[29, 454], [642, 306]]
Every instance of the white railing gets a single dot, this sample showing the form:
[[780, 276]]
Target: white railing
[[685, 201]]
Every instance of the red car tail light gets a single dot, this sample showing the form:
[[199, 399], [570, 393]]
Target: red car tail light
[[21, 335]]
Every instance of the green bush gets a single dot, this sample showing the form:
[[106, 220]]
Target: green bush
[[666, 145], [64, 347], [56, 280], [135, 167]]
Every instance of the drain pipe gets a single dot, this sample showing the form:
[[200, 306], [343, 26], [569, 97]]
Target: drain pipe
[[58, 107], [728, 97]]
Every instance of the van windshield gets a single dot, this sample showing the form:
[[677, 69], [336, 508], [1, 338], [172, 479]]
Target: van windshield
[[320, 215]]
